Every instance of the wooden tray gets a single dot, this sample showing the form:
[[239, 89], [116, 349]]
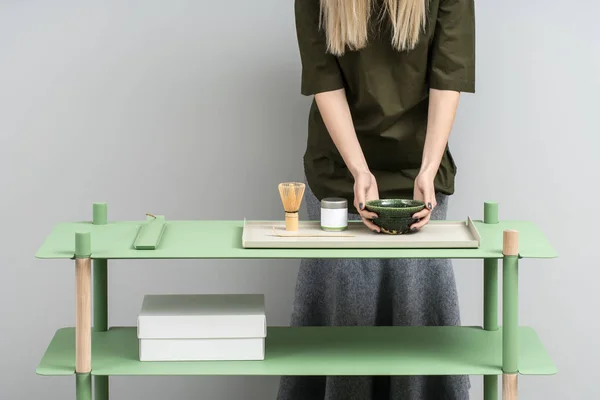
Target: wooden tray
[[436, 234]]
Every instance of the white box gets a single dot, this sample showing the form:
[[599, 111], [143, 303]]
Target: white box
[[202, 316], [202, 349], [202, 327]]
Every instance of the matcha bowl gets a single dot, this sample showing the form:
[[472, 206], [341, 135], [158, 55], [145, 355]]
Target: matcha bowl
[[394, 215]]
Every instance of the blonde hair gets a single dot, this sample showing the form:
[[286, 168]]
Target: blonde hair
[[346, 23]]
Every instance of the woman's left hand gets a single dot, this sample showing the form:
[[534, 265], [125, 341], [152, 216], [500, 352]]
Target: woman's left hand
[[424, 191]]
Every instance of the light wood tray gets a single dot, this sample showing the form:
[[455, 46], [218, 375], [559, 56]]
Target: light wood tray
[[436, 234]]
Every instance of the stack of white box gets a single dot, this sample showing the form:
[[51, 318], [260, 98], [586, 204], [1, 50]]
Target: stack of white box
[[202, 327]]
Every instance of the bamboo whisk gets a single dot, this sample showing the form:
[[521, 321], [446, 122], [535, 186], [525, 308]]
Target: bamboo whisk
[[291, 196]]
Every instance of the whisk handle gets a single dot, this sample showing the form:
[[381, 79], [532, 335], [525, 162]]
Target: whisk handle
[[291, 221]]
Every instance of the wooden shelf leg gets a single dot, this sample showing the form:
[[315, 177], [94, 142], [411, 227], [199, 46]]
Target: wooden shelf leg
[[100, 299], [510, 315], [83, 316], [490, 300], [510, 387]]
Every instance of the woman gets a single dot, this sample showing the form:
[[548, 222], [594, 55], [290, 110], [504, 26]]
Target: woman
[[386, 76]]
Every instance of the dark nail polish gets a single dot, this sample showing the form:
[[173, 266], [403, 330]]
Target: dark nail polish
[[429, 205], [360, 206], [413, 229]]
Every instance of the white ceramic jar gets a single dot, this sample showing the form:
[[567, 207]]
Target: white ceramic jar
[[334, 214]]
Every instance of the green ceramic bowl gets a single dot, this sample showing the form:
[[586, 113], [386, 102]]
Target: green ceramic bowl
[[394, 215]]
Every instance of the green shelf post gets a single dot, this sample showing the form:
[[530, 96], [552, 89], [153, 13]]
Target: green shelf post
[[510, 313], [83, 245], [100, 213], [100, 298], [490, 212], [490, 294], [490, 387], [100, 387], [490, 299], [83, 316], [83, 384]]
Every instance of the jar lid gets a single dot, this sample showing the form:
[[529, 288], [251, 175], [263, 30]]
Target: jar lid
[[334, 202]]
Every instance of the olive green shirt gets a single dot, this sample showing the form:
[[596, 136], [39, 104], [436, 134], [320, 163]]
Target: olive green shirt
[[388, 95]]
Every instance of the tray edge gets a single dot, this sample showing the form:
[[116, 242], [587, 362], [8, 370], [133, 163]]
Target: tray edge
[[474, 231], [468, 224]]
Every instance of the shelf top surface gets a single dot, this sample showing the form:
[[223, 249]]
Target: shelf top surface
[[223, 240], [320, 351]]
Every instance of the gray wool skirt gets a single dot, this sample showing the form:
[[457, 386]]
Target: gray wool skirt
[[375, 292]]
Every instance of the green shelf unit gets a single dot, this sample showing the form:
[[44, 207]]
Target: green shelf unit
[[320, 351], [500, 347]]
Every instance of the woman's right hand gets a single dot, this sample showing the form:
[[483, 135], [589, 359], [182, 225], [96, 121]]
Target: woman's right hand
[[365, 189]]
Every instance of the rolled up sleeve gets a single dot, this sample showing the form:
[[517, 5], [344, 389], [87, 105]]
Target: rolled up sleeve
[[452, 64], [320, 69]]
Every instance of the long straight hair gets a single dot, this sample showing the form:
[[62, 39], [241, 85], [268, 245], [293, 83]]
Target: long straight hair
[[346, 23]]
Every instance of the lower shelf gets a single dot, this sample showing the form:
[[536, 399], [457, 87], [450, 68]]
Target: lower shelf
[[320, 351]]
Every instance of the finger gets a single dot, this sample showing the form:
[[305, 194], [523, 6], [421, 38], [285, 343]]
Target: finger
[[421, 214], [368, 214], [430, 202], [364, 213], [371, 225], [359, 194], [420, 224]]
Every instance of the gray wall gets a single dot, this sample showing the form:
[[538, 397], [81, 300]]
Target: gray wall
[[191, 109]]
